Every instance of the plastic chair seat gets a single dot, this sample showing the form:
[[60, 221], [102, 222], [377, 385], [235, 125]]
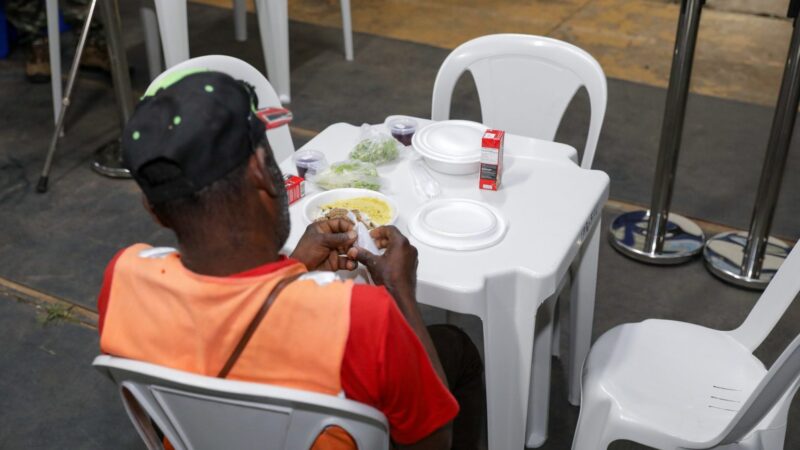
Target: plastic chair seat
[[674, 385], [673, 378]]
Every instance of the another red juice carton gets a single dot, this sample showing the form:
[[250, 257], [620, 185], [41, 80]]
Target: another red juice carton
[[491, 159], [295, 187]]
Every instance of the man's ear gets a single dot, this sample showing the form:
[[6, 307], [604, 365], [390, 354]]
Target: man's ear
[[260, 174], [149, 208]]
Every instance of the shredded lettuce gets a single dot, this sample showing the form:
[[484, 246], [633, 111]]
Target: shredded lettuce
[[376, 151]]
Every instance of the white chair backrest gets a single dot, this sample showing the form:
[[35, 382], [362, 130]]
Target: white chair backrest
[[197, 412], [279, 138], [778, 386], [525, 84], [770, 307]]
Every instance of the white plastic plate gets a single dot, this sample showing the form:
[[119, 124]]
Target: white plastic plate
[[311, 209], [458, 224]]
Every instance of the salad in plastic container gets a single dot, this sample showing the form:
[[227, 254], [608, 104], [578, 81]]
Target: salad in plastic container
[[374, 147]]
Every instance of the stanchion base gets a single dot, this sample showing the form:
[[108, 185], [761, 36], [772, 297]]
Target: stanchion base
[[724, 254], [682, 241], [109, 161]]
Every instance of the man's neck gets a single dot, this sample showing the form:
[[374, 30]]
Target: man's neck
[[222, 257]]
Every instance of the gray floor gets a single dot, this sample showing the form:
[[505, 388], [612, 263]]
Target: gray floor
[[50, 397], [60, 242]]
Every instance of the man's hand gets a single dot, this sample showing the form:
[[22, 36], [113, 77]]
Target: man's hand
[[396, 268], [324, 245]]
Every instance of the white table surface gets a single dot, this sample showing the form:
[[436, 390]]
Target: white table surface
[[553, 207], [549, 202]]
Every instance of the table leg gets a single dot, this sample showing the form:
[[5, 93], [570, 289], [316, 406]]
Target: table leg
[[508, 335], [273, 23], [173, 24], [152, 40], [581, 315], [347, 29], [539, 396], [240, 19]]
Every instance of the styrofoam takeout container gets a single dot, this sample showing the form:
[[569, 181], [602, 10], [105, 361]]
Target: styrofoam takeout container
[[451, 146]]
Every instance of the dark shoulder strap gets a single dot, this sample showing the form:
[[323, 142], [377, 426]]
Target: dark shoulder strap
[[251, 329]]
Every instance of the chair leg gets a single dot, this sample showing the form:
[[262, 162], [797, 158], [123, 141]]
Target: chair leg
[[273, 25], [174, 28], [592, 432], [581, 313], [240, 19], [54, 40], [347, 30], [152, 41], [557, 314]]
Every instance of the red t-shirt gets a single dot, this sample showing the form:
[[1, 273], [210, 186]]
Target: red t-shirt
[[384, 364]]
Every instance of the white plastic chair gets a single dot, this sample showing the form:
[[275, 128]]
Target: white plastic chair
[[200, 412], [675, 385], [240, 24], [525, 84], [280, 139], [273, 22]]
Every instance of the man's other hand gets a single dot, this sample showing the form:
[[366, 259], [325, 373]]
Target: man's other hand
[[325, 244], [397, 267]]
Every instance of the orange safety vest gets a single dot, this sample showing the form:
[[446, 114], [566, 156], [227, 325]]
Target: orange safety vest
[[160, 312]]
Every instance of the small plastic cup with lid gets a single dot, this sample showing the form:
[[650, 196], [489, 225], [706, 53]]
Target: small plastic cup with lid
[[309, 162], [402, 128]]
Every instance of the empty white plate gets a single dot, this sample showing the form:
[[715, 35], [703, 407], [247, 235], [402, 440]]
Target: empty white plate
[[458, 140], [458, 224]]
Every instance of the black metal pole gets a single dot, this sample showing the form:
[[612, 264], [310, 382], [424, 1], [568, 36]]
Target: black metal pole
[[109, 15], [109, 159]]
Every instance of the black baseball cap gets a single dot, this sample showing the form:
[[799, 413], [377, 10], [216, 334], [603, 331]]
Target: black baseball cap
[[189, 131]]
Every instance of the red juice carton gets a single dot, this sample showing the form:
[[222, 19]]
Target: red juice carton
[[295, 187], [491, 159]]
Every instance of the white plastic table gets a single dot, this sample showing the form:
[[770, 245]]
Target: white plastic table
[[553, 208]]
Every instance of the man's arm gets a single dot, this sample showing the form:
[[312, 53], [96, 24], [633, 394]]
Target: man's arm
[[396, 270]]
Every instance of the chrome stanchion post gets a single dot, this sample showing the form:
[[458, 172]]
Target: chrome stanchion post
[[657, 236], [73, 74], [751, 259], [109, 158]]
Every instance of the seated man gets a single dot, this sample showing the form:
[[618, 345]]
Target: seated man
[[201, 158]]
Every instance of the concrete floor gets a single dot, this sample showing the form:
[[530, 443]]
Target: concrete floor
[[53, 247]]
